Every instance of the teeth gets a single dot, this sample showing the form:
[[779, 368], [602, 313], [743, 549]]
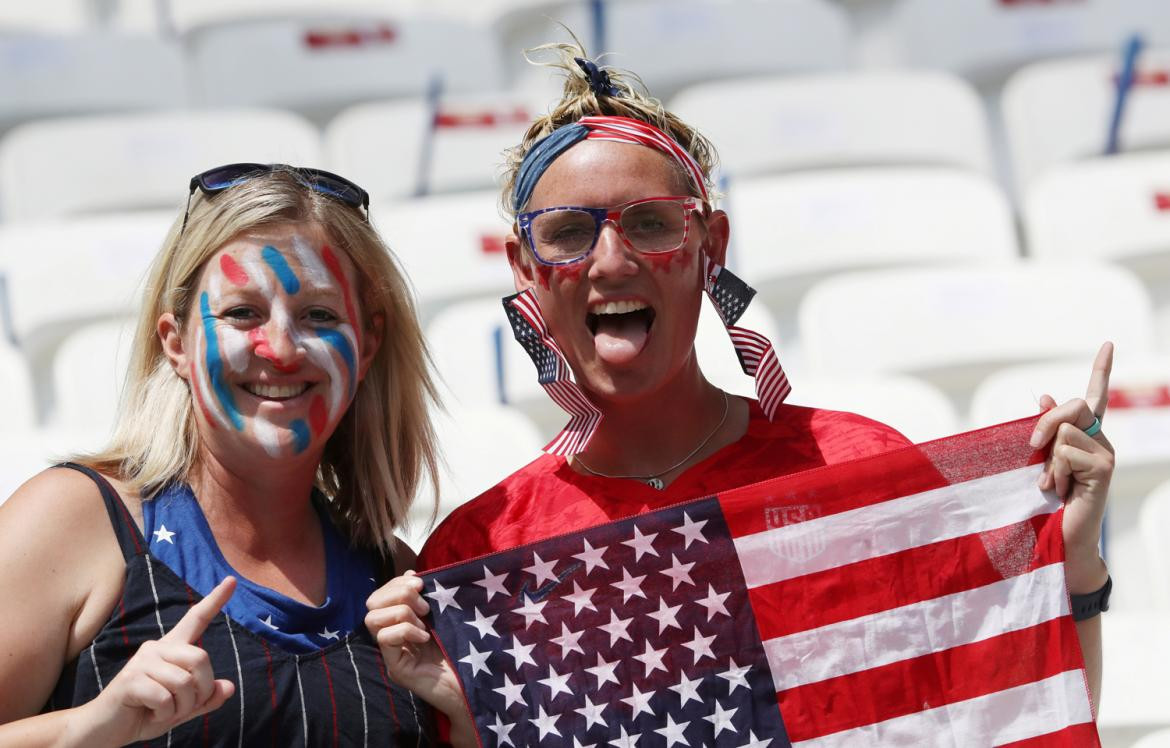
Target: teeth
[[618, 307], [280, 392]]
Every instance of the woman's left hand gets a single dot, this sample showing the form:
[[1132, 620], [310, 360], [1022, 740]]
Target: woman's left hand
[[1079, 470]]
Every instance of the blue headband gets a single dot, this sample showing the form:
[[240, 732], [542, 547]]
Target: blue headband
[[538, 158]]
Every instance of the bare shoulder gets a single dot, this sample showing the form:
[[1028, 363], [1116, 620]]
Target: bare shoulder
[[60, 559]]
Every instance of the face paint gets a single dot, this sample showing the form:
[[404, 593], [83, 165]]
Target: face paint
[[292, 301], [288, 279]]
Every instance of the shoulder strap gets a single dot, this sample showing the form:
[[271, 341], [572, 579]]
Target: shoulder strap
[[130, 538]]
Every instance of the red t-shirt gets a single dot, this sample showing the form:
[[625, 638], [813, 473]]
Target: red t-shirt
[[547, 497]]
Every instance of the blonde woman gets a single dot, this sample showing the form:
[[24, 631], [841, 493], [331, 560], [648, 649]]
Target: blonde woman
[[202, 580]]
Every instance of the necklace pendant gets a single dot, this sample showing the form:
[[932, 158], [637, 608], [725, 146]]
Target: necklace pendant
[[655, 483]]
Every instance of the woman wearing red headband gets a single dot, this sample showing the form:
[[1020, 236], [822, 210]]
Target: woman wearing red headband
[[614, 246]]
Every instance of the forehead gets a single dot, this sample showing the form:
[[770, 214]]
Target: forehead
[[600, 173], [298, 249]]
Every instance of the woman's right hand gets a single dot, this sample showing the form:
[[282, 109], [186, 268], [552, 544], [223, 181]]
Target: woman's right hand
[[167, 682], [413, 659]]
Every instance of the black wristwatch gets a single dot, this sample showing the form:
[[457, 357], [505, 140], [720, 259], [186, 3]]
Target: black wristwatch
[[1088, 605]]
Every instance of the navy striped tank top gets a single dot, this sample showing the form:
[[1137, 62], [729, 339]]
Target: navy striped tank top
[[339, 695]]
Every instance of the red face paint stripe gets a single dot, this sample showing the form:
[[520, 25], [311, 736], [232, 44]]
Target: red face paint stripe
[[318, 415], [199, 398], [232, 270], [335, 269]]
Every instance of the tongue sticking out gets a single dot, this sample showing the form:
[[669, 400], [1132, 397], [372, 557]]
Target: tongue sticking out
[[620, 337]]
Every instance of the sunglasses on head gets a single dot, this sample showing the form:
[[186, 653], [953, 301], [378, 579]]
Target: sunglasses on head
[[215, 181]]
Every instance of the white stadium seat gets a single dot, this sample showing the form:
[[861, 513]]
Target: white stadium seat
[[138, 161], [920, 411], [791, 231], [955, 325], [398, 149], [89, 368], [80, 271], [1059, 110], [1157, 739], [1115, 208], [1135, 687], [451, 246], [985, 39], [1155, 529], [51, 16], [66, 74], [674, 43], [25, 453], [784, 123], [17, 401], [481, 445], [319, 63]]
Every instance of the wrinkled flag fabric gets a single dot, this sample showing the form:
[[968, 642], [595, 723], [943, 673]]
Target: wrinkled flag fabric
[[911, 598]]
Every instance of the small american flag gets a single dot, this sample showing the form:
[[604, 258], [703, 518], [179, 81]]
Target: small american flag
[[757, 357], [553, 373], [912, 598]]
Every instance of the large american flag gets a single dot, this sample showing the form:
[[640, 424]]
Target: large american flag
[[913, 598]]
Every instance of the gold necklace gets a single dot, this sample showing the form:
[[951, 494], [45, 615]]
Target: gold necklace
[[655, 480]]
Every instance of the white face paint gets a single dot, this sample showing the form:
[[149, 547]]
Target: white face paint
[[277, 353]]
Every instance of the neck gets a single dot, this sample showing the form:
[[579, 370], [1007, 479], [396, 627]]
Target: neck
[[256, 509], [650, 434]]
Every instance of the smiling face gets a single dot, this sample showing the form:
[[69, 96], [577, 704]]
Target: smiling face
[[272, 346], [625, 320]]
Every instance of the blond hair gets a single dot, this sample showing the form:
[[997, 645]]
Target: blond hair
[[578, 99], [384, 445]]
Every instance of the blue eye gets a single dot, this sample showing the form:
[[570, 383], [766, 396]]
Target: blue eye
[[317, 315]]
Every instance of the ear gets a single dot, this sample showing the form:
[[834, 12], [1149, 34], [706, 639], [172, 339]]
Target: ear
[[521, 262], [718, 235], [371, 342], [170, 334]]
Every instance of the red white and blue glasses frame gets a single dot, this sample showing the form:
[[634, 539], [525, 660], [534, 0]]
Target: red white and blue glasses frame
[[689, 205]]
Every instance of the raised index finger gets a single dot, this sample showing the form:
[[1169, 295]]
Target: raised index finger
[[1097, 393], [192, 625]]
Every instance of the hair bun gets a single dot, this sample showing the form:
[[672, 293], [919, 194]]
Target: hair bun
[[598, 79]]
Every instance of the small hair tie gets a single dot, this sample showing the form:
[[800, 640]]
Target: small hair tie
[[598, 79]]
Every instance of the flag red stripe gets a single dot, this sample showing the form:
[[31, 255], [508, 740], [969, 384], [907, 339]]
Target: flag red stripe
[[910, 686], [911, 470], [907, 577], [1076, 736]]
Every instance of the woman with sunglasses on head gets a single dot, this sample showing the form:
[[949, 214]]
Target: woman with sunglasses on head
[[203, 578], [615, 244]]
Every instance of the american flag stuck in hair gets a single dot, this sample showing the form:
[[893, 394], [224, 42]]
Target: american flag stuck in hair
[[912, 598]]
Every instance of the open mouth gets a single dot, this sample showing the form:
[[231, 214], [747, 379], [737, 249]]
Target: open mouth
[[620, 328], [276, 392]]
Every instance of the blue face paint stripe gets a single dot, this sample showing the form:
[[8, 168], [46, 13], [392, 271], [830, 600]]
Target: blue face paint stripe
[[215, 365], [341, 344], [300, 435], [284, 274]]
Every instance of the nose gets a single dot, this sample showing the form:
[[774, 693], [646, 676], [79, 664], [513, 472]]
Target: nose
[[279, 344], [611, 257]]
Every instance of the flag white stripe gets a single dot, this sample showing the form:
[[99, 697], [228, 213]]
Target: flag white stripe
[[896, 525], [917, 629], [1006, 716], [361, 694]]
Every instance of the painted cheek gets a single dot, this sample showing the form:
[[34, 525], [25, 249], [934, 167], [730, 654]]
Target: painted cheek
[[199, 399], [543, 273], [301, 436], [334, 266], [341, 344], [569, 273], [318, 415], [215, 366]]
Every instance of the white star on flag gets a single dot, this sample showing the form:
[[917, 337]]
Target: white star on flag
[[736, 676], [754, 742], [626, 740], [721, 719], [642, 544], [592, 713], [557, 683], [652, 659], [678, 572], [493, 583], [700, 645], [604, 671], [713, 602], [520, 653], [617, 628], [327, 634], [691, 531], [483, 624], [531, 611], [673, 732], [581, 599], [267, 621], [666, 615], [630, 586], [542, 570], [639, 701], [547, 724], [511, 691], [502, 731], [444, 597], [163, 535], [592, 557], [687, 689], [568, 641], [477, 660]]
